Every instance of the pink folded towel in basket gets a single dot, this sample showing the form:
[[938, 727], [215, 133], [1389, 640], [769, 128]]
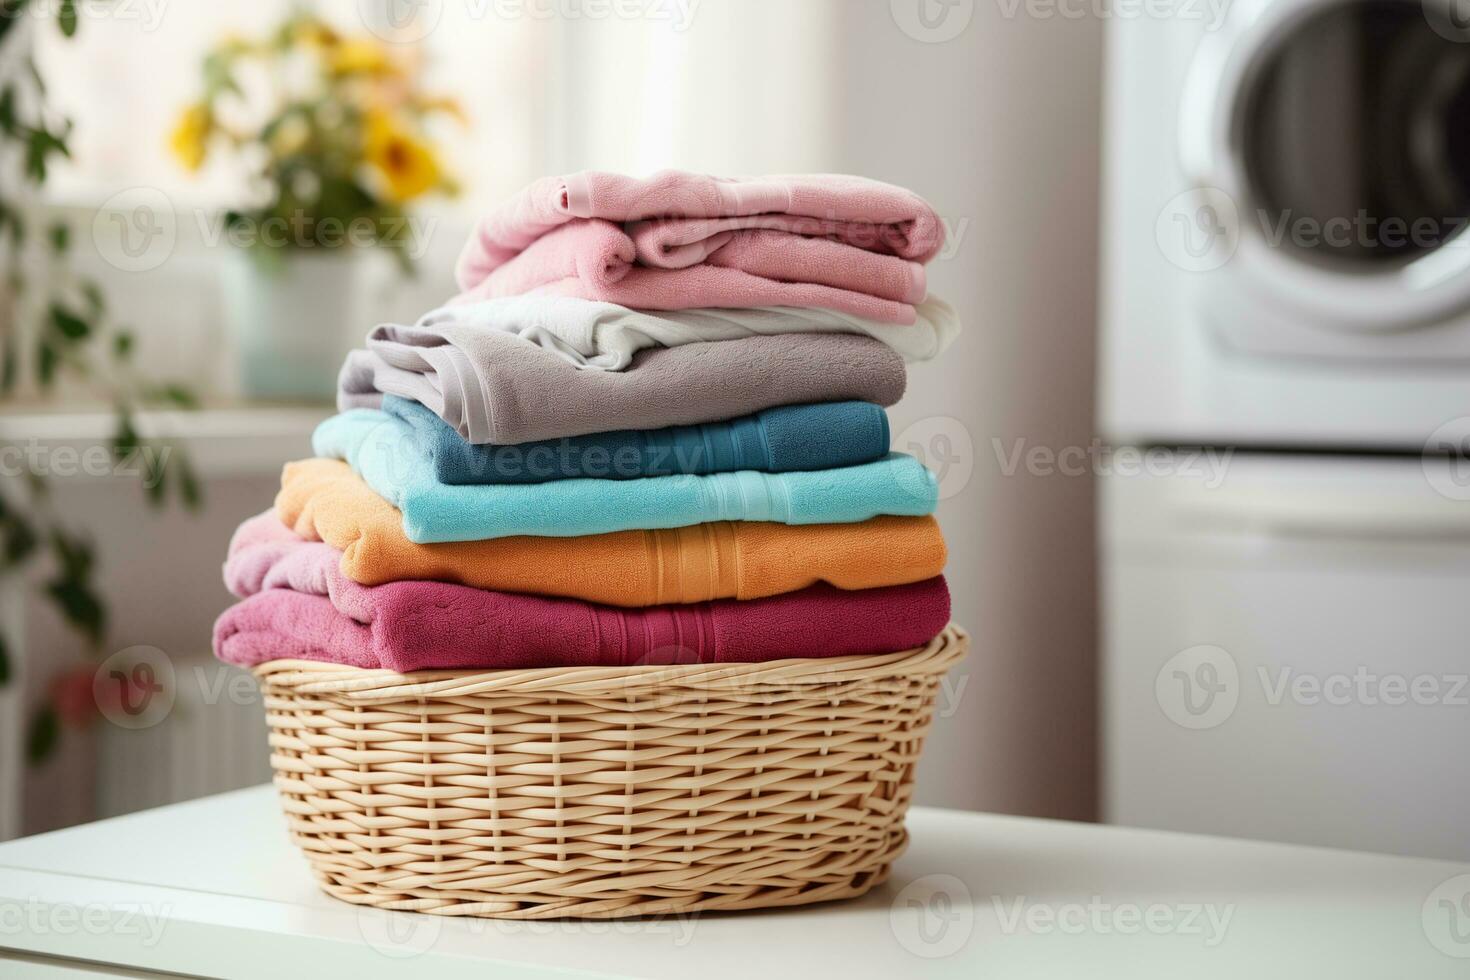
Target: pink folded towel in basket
[[298, 605], [680, 240]]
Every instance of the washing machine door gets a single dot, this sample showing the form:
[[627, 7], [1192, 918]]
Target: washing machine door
[[1334, 137]]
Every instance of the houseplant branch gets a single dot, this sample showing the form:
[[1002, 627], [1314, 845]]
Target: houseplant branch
[[71, 336]]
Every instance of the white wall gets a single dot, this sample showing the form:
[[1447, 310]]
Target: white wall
[[999, 128]]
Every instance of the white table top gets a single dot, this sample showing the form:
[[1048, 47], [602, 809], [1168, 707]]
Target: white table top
[[213, 887]]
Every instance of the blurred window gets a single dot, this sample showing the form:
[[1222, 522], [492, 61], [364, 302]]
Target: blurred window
[[134, 64]]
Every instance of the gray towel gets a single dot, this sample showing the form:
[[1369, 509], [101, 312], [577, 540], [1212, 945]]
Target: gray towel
[[499, 388]]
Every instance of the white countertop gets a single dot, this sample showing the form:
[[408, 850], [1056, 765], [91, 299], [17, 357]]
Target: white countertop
[[213, 887]]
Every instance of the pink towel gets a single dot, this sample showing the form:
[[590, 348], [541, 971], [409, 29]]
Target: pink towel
[[299, 606], [821, 240]]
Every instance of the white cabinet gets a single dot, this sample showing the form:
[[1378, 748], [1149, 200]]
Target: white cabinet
[[1286, 650]]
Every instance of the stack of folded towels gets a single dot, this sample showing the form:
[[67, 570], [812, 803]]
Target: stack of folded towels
[[649, 430]]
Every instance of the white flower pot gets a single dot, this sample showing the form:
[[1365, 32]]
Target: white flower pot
[[293, 321]]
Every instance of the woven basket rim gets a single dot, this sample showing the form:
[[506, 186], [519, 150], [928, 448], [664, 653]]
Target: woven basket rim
[[369, 685], [603, 792]]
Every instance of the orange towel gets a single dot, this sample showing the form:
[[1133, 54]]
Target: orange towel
[[322, 499]]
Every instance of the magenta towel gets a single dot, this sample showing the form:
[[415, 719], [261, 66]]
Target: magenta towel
[[680, 240], [299, 606]]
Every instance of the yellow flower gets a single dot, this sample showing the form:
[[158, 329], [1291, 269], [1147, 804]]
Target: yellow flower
[[317, 33], [290, 136], [406, 162], [360, 57], [234, 44], [187, 142]]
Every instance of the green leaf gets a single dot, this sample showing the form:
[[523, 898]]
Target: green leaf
[[125, 439], [122, 345], [67, 18], [74, 555], [155, 480], [7, 110], [96, 301], [46, 361], [79, 605], [10, 11], [219, 79], [4, 662], [60, 237], [71, 590], [189, 489], [16, 225], [41, 144], [9, 365], [34, 70], [71, 326], [42, 736], [36, 156], [177, 394], [19, 539]]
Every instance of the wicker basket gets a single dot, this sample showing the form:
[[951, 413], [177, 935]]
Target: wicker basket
[[602, 792]]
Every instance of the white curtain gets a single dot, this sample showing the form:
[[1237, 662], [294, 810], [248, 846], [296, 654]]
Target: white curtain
[[745, 88]]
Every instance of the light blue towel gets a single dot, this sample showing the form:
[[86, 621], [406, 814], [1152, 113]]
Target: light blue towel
[[385, 450]]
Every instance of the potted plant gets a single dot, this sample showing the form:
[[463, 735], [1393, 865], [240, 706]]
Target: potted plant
[[331, 131]]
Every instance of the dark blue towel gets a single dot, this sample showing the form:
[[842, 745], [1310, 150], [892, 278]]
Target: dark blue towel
[[778, 440]]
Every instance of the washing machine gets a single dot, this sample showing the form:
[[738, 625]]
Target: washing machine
[[1286, 348], [1286, 188]]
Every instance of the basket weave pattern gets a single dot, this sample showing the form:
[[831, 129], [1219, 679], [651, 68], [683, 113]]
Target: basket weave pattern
[[602, 792]]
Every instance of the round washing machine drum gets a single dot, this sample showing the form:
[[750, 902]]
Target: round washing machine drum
[[1337, 132]]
